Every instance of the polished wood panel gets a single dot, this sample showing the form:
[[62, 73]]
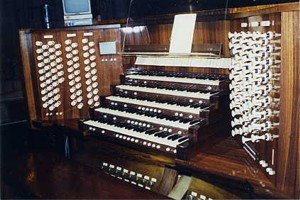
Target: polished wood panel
[[262, 10], [227, 159], [210, 190], [226, 152], [288, 148], [115, 68], [46, 175], [214, 32], [94, 152]]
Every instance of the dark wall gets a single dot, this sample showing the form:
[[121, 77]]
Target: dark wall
[[110, 9]]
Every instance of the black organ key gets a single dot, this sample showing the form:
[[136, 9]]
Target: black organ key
[[185, 120], [173, 118], [143, 129], [158, 134], [165, 134], [150, 132], [130, 127], [197, 105], [194, 122], [152, 114], [161, 116], [183, 139], [174, 137], [122, 124], [162, 134], [138, 129]]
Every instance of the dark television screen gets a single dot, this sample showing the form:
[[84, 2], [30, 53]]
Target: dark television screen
[[76, 6]]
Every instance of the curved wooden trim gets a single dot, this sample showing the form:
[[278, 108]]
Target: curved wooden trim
[[217, 14]]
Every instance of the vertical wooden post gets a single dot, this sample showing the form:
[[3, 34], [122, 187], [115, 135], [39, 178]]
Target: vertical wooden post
[[287, 178], [25, 47]]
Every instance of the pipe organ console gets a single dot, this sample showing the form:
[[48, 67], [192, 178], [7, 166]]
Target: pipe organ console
[[221, 122]]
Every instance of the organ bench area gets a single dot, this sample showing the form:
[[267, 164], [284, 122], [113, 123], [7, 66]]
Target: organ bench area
[[221, 122]]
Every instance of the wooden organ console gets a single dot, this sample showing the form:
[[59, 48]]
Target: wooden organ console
[[185, 126]]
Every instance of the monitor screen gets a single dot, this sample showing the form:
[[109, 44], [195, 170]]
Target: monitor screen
[[76, 6]]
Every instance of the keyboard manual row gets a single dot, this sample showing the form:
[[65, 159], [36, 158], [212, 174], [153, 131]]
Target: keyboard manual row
[[136, 134], [191, 84], [139, 71], [157, 108], [185, 97], [166, 123]]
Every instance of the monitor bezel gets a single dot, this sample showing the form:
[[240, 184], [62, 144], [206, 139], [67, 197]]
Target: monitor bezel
[[77, 13]]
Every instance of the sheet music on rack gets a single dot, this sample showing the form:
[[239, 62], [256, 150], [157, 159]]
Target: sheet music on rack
[[182, 34]]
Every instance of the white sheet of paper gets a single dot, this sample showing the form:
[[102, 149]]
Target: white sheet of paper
[[182, 34]]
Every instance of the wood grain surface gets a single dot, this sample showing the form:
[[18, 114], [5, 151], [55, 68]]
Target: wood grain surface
[[288, 148]]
